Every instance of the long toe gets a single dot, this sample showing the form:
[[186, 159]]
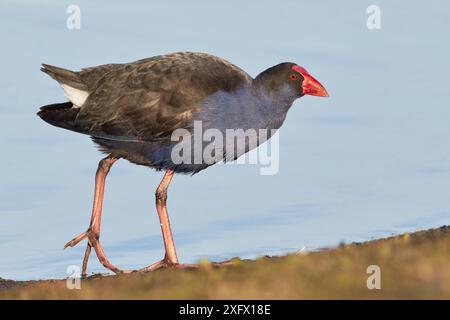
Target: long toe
[[165, 264], [154, 266], [77, 239]]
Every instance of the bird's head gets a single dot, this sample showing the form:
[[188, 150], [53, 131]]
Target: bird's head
[[292, 76], [306, 82]]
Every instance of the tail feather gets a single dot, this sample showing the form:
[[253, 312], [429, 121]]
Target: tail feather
[[61, 115], [74, 88], [64, 76]]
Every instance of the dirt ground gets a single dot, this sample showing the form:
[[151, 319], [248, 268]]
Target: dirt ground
[[411, 266]]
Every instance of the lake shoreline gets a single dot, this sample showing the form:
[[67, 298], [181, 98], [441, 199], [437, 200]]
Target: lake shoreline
[[411, 265]]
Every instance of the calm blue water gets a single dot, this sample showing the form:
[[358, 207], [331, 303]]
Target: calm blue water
[[371, 160]]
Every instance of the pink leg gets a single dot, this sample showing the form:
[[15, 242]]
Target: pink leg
[[161, 200], [93, 232], [170, 257]]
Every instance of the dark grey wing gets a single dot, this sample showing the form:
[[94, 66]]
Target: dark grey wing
[[148, 99]]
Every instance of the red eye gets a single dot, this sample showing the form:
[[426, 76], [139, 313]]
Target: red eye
[[293, 77]]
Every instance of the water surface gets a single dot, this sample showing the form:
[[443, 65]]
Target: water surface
[[370, 161]]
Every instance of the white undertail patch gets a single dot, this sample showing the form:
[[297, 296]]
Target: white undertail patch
[[76, 96]]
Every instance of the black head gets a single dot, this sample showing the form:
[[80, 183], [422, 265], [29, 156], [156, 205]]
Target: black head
[[290, 75]]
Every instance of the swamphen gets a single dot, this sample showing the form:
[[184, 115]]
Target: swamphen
[[131, 111]]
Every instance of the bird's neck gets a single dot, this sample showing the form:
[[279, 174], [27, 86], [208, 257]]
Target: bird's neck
[[275, 101]]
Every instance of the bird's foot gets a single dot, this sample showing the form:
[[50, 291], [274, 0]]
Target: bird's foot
[[93, 242], [165, 263], [92, 238]]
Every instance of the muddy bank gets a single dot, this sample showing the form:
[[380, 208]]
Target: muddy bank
[[415, 266]]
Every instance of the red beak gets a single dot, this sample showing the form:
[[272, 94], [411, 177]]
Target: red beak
[[310, 85]]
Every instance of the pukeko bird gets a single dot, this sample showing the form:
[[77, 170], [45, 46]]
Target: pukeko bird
[[131, 110]]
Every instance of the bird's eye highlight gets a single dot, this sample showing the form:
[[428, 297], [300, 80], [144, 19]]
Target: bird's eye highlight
[[293, 77]]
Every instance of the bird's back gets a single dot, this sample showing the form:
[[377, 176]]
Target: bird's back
[[143, 100]]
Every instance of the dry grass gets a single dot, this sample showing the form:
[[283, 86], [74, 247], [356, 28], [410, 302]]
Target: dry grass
[[413, 266]]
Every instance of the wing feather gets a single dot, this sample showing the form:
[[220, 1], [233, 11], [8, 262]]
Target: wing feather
[[148, 99]]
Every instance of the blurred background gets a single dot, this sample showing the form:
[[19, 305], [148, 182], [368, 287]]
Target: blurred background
[[370, 161]]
